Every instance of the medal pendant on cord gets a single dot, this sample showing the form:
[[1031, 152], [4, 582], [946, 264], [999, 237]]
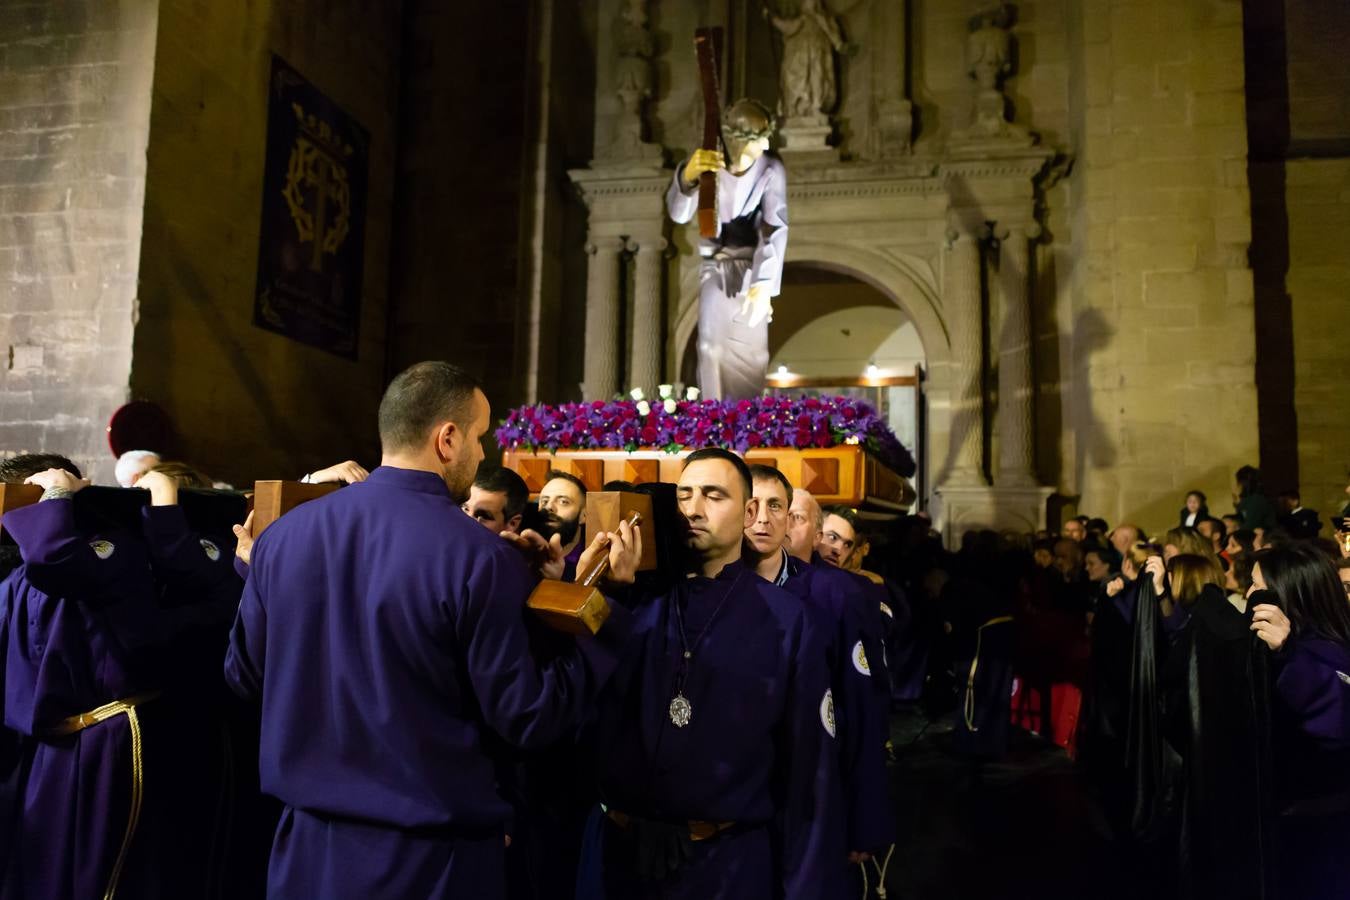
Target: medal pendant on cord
[[680, 710]]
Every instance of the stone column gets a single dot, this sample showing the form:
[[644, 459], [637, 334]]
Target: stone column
[[1016, 428], [644, 353], [601, 371], [961, 297]]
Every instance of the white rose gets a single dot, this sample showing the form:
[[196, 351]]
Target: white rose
[[665, 390], [643, 407], [636, 394], [669, 405], [691, 393]]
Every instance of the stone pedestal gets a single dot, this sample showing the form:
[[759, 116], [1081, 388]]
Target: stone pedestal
[[975, 507], [806, 140]]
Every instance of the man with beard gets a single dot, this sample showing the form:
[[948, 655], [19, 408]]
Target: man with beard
[[861, 700], [562, 512], [497, 499], [716, 758], [383, 630]]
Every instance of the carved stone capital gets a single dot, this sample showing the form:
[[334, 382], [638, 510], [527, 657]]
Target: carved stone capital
[[648, 243]]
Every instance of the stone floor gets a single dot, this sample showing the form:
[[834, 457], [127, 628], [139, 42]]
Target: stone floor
[[1025, 827]]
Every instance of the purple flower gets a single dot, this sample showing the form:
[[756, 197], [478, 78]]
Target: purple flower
[[740, 424]]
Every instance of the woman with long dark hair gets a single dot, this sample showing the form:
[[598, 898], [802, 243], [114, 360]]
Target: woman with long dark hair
[[1308, 627]]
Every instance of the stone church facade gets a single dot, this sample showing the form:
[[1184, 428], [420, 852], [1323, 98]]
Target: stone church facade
[[1055, 195], [1117, 227]]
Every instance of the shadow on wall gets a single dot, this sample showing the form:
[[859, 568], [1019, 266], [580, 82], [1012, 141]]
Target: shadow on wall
[[1091, 335], [220, 383]]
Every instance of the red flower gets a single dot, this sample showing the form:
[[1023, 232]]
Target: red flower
[[753, 439]]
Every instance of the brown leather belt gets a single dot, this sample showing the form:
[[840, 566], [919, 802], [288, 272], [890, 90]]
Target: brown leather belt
[[698, 831]]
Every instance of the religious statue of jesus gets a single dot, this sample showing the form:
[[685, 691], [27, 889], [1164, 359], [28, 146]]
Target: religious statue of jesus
[[741, 268]]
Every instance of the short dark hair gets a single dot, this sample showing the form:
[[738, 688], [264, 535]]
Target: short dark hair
[[769, 473], [1204, 501], [619, 484], [566, 476], [501, 480], [1107, 555], [726, 456], [419, 397], [1098, 524], [1289, 495], [1246, 539], [17, 468], [1082, 520], [846, 513]]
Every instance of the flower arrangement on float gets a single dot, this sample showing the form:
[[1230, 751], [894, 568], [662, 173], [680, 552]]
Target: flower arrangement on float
[[673, 423]]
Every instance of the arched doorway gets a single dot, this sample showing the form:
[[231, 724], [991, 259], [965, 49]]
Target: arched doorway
[[835, 333]]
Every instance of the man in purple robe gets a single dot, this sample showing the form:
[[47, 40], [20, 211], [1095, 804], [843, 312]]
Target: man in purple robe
[[741, 269], [80, 651], [562, 513], [384, 632], [859, 677], [715, 752]]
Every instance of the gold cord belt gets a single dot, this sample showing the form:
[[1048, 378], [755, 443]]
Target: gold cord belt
[[76, 724], [974, 664]]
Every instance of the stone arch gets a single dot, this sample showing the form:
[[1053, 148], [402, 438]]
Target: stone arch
[[898, 281]]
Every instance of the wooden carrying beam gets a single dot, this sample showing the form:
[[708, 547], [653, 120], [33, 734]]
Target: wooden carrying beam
[[606, 509], [17, 496], [273, 499], [577, 608]]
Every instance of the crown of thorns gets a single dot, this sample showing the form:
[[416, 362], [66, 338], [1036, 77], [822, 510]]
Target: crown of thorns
[[741, 132]]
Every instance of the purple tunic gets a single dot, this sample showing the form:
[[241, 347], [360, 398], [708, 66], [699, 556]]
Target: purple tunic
[[859, 683], [384, 631], [1314, 689], [78, 629], [758, 750]]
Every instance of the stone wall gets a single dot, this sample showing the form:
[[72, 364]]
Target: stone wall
[[460, 190], [1158, 394], [74, 115], [1318, 282], [1299, 133], [250, 403]]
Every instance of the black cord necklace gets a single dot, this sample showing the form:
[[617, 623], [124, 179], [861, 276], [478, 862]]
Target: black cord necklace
[[681, 710]]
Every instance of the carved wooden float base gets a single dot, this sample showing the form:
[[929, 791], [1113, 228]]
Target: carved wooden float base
[[842, 475]]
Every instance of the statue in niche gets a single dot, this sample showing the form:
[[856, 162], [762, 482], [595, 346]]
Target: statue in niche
[[635, 48], [806, 81], [989, 59]]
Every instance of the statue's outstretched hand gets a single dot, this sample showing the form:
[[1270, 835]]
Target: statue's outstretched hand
[[757, 306], [701, 161]]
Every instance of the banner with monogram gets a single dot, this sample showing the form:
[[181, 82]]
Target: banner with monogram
[[312, 243]]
